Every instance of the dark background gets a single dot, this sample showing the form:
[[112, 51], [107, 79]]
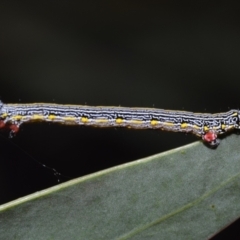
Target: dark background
[[162, 54]]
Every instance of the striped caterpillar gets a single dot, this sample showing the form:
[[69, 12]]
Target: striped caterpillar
[[205, 125]]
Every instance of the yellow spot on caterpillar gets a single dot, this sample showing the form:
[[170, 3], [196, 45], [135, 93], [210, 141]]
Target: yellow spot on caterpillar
[[103, 120], [154, 122], [84, 119], [184, 125], [37, 117], [196, 126], [235, 114], [4, 115], [51, 117], [70, 119], [17, 117], [206, 128], [223, 126], [119, 120]]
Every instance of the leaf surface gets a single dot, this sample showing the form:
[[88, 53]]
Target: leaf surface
[[186, 193]]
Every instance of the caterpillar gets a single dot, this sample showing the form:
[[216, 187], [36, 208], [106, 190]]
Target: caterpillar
[[205, 125]]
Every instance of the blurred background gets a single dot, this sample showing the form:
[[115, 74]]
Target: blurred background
[[161, 54]]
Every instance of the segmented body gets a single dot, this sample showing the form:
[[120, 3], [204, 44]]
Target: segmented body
[[206, 125]]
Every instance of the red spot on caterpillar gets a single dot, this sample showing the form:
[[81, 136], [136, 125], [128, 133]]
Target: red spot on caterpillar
[[2, 124], [210, 136], [14, 128]]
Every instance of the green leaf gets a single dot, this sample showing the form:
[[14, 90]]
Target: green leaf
[[187, 193]]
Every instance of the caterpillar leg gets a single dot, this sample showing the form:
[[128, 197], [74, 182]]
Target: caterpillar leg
[[14, 128], [211, 138]]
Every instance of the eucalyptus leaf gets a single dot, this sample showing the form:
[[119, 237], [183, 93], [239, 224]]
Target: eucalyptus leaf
[[187, 193]]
